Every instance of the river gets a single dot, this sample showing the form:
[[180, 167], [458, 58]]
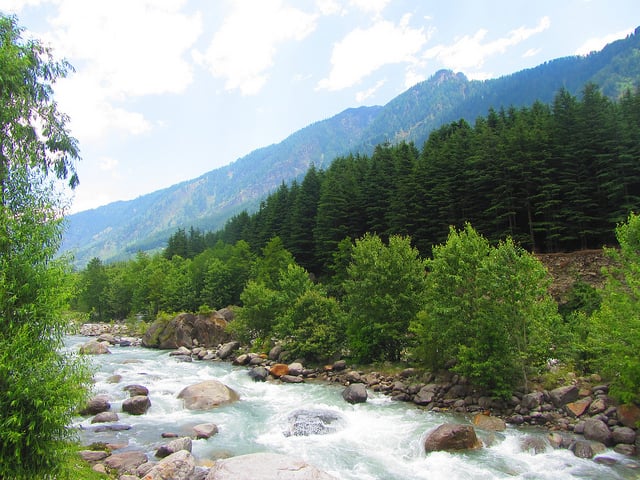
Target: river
[[380, 439]]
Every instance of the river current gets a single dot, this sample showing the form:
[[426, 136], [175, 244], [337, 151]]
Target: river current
[[380, 439]]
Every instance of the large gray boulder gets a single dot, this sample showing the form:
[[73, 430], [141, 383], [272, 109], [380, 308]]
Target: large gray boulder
[[265, 466], [181, 331], [562, 395], [532, 400], [227, 349], [355, 393], [94, 347], [207, 395], [305, 422], [597, 430], [452, 437], [178, 466]]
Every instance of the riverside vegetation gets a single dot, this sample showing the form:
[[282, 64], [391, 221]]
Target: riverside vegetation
[[341, 265]]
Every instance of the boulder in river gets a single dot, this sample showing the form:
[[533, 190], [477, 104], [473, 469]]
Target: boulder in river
[[452, 437], [181, 331], [182, 443], [489, 422], [98, 404], [207, 395], [305, 422], [105, 417], [205, 430], [135, 390], [259, 374], [178, 466], [265, 466], [94, 347], [137, 405], [355, 393]]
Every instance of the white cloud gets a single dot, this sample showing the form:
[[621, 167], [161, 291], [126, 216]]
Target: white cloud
[[330, 7], [92, 110], [532, 52], [370, 6], [16, 6], [363, 95], [362, 52], [124, 49], [470, 52], [243, 50], [108, 164], [594, 44]]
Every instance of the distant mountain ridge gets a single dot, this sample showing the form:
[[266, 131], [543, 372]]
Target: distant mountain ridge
[[120, 229]]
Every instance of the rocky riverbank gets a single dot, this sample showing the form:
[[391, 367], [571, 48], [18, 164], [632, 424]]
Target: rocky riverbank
[[579, 416]]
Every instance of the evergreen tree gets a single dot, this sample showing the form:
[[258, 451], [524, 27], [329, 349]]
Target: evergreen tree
[[303, 221]]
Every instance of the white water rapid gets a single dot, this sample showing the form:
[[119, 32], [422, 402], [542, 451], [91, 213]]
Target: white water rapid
[[380, 439]]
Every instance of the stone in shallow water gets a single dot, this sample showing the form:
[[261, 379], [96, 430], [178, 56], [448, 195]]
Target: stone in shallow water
[[207, 395], [265, 466], [305, 422]]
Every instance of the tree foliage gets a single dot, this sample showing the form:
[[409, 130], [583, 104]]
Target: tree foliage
[[615, 334], [487, 311], [384, 291], [40, 386]]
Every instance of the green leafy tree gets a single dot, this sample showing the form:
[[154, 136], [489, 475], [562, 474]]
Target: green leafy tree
[[313, 327], [488, 309], [384, 292], [40, 386], [615, 337]]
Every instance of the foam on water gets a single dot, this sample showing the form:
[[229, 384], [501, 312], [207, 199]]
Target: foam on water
[[380, 439]]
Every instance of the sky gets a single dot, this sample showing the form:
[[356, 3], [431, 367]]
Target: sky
[[166, 90]]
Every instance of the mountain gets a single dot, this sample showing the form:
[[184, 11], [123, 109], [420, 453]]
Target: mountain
[[120, 229]]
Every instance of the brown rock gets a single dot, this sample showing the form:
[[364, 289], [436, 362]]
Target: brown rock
[[629, 415], [135, 390], [98, 404], [278, 370], [578, 408], [488, 422], [105, 417], [452, 437], [137, 405]]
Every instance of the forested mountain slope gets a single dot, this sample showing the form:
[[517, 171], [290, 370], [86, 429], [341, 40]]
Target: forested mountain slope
[[122, 228]]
